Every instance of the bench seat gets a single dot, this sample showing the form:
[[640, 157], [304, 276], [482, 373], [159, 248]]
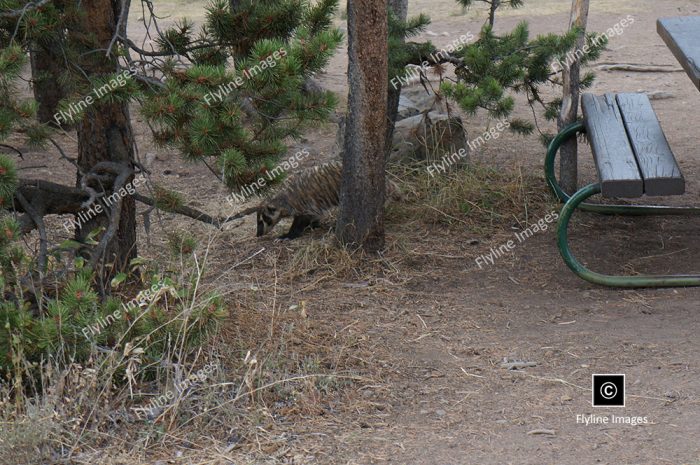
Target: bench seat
[[631, 153]]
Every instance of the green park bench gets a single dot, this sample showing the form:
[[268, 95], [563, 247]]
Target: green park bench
[[632, 157]]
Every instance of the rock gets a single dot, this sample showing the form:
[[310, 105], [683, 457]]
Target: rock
[[429, 137], [420, 133], [660, 95], [422, 100], [440, 413], [405, 142], [149, 158], [407, 108]]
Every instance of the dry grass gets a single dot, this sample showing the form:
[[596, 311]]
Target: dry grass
[[484, 199], [277, 367]]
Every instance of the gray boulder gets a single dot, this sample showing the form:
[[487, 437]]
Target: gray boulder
[[407, 108], [429, 137], [422, 100]]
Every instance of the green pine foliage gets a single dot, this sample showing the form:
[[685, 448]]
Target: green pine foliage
[[16, 115], [497, 67], [493, 5], [45, 28], [69, 327], [167, 200], [401, 52], [8, 180], [499, 3], [242, 96]]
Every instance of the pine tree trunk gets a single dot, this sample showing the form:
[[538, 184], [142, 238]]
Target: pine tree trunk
[[46, 71], [105, 133], [361, 216], [492, 11], [400, 9], [568, 153]]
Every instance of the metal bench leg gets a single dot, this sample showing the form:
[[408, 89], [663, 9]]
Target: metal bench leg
[[606, 280]]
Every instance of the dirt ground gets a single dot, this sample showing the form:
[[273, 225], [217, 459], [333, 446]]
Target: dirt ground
[[426, 329]]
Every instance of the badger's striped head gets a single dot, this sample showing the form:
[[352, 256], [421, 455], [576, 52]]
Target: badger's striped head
[[268, 217]]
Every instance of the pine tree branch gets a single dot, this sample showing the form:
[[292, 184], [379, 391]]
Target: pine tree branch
[[114, 216], [121, 25], [72, 161], [14, 150], [143, 52], [194, 213], [246, 212], [19, 13], [51, 198], [55, 199], [38, 220]]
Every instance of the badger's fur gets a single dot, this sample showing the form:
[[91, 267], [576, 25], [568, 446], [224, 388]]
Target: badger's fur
[[306, 196]]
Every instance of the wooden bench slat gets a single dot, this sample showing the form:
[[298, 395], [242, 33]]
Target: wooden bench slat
[[615, 161], [681, 36], [657, 165]]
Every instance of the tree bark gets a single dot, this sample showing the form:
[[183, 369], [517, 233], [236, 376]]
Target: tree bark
[[568, 154], [492, 11], [105, 133], [46, 72], [361, 216], [400, 9]]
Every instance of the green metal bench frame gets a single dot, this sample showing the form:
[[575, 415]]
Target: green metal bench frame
[[571, 203]]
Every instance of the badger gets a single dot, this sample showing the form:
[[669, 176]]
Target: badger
[[306, 197]]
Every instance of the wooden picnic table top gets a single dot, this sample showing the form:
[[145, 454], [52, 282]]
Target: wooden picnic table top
[[682, 36]]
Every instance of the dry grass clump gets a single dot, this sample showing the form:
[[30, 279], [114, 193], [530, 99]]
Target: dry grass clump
[[275, 365], [484, 199], [317, 261], [27, 439], [322, 257]]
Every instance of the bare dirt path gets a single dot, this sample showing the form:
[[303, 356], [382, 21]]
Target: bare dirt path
[[442, 334]]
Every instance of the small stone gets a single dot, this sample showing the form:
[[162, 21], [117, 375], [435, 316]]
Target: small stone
[[440, 413], [659, 95]]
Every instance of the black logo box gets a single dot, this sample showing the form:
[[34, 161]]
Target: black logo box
[[608, 390]]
